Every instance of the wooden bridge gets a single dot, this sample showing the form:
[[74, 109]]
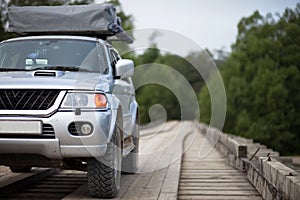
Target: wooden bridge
[[178, 160]]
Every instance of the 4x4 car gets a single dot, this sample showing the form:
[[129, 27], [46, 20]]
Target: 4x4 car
[[68, 101]]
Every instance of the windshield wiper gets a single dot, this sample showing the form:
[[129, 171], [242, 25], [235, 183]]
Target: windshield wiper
[[12, 70], [58, 67], [62, 68]]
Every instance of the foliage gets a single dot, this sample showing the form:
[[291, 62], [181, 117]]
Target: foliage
[[182, 80], [262, 79]]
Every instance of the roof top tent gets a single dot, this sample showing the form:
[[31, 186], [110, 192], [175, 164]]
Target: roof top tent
[[98, 20]]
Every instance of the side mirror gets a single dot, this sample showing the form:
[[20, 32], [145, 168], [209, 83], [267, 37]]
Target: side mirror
[[124, 68]]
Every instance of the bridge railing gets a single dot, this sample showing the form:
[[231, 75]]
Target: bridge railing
[[271, 178]]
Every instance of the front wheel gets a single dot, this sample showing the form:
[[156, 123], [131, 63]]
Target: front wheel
[[104, 173]]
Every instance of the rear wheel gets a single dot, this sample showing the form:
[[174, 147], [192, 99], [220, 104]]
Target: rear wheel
[[104, 173], [20, 169]]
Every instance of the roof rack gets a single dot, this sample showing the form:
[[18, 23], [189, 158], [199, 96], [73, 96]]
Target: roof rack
[[97, 20]]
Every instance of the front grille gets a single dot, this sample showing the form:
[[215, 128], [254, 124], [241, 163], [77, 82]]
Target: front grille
[[24, 99], [47, 133]]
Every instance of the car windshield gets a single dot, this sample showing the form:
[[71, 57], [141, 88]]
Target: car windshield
[[52, 54]]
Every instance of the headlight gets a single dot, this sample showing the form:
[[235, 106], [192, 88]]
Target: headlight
[[84, 100]]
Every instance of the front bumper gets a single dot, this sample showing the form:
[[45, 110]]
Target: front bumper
[[63, 144]]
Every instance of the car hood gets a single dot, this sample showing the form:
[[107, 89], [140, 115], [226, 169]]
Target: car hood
[[50, 79]]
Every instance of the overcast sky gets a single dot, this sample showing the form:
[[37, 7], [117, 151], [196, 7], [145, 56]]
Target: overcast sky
[[211, 24]]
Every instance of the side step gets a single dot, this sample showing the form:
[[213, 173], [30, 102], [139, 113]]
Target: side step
[[128, 146]]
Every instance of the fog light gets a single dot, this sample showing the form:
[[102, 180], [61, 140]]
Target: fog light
[[81, 128], [86, 129]]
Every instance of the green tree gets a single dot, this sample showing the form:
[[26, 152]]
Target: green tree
[[184, 73], [262, 79]]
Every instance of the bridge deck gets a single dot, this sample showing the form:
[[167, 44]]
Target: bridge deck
[[211, 177], [161, 168]]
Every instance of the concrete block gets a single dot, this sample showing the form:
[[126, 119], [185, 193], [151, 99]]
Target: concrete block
[[273, 180], [278, 175], [294, 187], [258, 182], [289, 188], [297, 191], [280, 181], [266, 169], [265, 191], [231, 159], [273, 175]]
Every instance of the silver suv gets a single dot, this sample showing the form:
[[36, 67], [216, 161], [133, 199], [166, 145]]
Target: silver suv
[[68, 102]]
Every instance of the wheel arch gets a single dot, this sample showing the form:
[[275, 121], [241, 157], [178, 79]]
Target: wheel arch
[[135, 114], [119, 122], [116, 122]]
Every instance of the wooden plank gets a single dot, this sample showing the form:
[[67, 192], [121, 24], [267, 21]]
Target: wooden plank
[[67, 189], [153, 187], [63, 182], [206, 171], [214, 184], [218, 173], [155, 184], [67, 179], [9, 177], [137, 186], [169, 178], [186, 167], [206, 166], [126, 182], [213, 177], [36, 196], [217, 192], [79, 193], [170, 186], [224, 181], [17, 182], [203, 197], [218, 188], [205, 160], [42, 185]]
